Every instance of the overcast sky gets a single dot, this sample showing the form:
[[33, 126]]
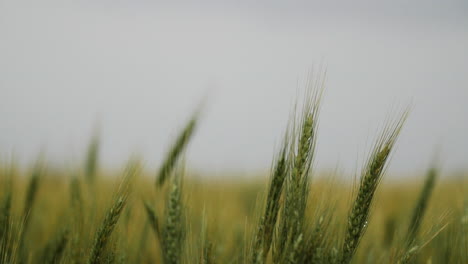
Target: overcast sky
[[140, 68]]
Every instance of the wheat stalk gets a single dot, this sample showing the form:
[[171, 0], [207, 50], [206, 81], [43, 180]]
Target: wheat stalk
[[173, 232], [112, 216], [370, 179], [300, 159], [175, 151], [420, 208], [153, 220]]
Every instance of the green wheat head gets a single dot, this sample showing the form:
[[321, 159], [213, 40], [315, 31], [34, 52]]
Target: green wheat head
[[370, 179]]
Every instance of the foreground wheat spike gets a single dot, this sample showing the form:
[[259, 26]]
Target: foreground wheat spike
[[267, 223], [112, 216], [173, 233], [176, 149], [420, 208], [290, 234], [370, 179]]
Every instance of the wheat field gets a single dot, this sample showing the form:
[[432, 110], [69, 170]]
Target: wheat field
[[292, 214]]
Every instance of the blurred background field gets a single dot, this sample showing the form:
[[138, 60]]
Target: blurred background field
[[229, 209]]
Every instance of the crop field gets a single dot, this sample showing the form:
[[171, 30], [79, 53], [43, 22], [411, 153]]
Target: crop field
[[292, 214]]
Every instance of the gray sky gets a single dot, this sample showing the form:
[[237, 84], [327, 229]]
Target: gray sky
[[140, 68]]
